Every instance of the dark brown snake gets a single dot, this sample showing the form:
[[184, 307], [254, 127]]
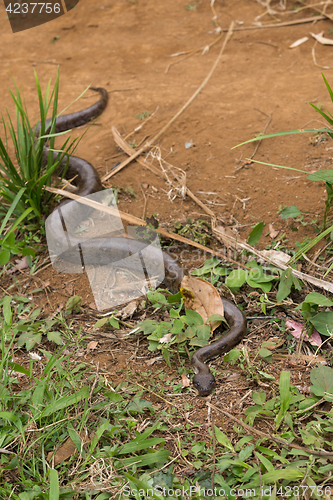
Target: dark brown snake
[[108, 250]]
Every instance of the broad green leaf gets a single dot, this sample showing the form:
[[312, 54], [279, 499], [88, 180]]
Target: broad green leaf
[[285, 285], [267, 376], [285, 396], [223, 439], [4, 257], [55, 337], [166, 356], [29, 338], [137, 445], [266, 463], [236, 278], [266, 354], [147, 459], [114, 322], [38, 394], [18, 368], [7, 311], [322, 175], [98, 434], [264, 286], [113, 397], [318, 298], [246, 452], [255, 234], [75, 437], [101, 322], [54, 485], [193, 318], [323, 322], [276, 476], [259, 397], [290, 212], [322, 380], [172, 299]]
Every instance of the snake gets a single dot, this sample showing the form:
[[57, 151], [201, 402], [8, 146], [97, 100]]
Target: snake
[[109, 250]]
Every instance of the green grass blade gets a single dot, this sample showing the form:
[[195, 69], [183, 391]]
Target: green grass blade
[[147, 459], [11, 209], [134, 446], [328, 87], [65, 401], [324, 115], [19, 220], [54, 485], [289, 132], [278, 166]]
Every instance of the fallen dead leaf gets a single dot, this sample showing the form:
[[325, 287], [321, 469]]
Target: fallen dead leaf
[[202, 297], [166, 338], [69, 289], [128, 310], [67, 449], [185, 380], [272, 232], [151, 361], [92, 345], [19, 264], [233, 376], [296, 330]]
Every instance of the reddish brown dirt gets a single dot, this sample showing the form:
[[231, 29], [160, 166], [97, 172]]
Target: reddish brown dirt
[[125, 46]]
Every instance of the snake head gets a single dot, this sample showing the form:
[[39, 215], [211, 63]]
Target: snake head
[[204, 383]]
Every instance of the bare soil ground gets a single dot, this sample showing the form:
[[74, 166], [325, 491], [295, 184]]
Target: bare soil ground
[[126, 47]]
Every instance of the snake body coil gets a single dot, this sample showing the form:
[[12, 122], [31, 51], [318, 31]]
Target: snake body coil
[[107, 250]]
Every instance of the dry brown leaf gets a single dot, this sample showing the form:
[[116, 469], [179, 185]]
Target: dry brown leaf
[[185, 380], [272, 232], [233, 376], [151, 361], [67, 449], [19, 264], [69, 288], [92, 345], [129, 309], [202, 297], [166, 338]]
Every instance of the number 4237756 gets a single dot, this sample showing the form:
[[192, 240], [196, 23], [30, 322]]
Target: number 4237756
[[25, 8]]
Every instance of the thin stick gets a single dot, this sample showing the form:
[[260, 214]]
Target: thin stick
[[280, 25], [248, 162], [177, 115], [139, 222], [322, 12]]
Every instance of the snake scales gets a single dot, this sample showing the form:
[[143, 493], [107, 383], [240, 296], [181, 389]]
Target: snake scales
[[106, 250]]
